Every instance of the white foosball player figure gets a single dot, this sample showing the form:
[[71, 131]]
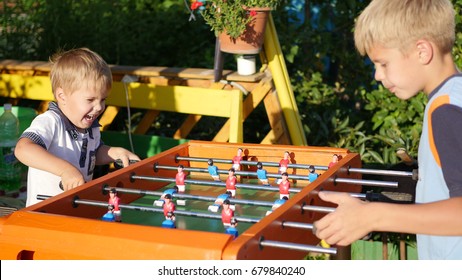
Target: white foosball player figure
[[277, 203], [216, 206], [160, 202]]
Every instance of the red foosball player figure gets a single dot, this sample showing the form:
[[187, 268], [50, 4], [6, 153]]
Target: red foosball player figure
[[179, 178], [232, 228], [284, 185], [109, 216], [334, 160], [227, 213], [115, 201], [231, 182], [169, 206], [169, 221], [284, 164], [237, 160]]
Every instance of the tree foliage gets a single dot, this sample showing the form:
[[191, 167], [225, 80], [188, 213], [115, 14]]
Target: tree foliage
[[340, 103]]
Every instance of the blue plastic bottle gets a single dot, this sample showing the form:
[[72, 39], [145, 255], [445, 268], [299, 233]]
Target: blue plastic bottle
[[10, 167]]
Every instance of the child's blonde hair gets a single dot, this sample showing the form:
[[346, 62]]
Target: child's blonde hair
[[400, 23], [79, 68]]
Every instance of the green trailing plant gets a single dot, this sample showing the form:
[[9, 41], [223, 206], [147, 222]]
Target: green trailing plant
[[230, 16]]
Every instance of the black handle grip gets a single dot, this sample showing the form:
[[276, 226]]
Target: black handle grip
[[118, 163]]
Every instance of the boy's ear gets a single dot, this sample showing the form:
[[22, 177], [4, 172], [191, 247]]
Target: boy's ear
[[60, 96], [425, 51]]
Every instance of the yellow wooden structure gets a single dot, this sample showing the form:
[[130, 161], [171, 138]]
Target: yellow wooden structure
[[189, 91]]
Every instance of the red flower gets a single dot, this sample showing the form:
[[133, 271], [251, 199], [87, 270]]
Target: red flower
[[196, 5], [253, 13]]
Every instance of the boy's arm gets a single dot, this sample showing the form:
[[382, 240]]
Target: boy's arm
[[353, 219], [33, 155], [107, 154]]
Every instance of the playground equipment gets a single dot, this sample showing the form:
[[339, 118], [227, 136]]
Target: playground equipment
[[196, 93]]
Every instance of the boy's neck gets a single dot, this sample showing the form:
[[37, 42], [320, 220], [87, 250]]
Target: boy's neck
[[442, 68]]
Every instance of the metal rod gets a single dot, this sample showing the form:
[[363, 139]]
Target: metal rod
[[381, 172], [178, 158], [297, 225], [264, 163], [367, 182], [321, 209], [374, 183], [306, 166], [182, 212], [193, 197], [187, 213], [160, 210], [296, 246], [223, 171], [314, 208], [212, 183]]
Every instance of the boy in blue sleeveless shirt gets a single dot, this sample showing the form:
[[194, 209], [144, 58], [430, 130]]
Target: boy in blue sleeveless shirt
[[410, 44]]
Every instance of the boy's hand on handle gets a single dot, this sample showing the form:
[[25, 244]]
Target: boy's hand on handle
[[348, 223], [118, 164], [71, 178], [123, 156]]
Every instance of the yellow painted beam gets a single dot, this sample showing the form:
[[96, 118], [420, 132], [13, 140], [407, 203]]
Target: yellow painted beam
[[28, 87], [281, 80], [236, 131], [108, 116], [251, 102], [180, 99]]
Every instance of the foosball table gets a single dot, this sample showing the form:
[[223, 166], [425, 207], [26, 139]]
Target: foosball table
[[70, 225]]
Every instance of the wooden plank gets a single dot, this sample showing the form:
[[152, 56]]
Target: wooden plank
[[187, 126], [277, 135], [146, 122], [276, 120], [250, 103], [270, 138], [147, 71], [17, 65]]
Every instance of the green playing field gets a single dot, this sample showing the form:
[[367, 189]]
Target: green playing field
[[200, 206]]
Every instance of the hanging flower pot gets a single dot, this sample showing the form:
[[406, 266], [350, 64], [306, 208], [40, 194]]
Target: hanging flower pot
[[251, 40], [238, 24]]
